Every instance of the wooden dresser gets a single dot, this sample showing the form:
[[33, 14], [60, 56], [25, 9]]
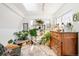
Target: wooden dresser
[[64, 43]]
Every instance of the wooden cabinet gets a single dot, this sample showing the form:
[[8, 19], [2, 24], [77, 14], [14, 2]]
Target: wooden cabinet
[[64, 43]]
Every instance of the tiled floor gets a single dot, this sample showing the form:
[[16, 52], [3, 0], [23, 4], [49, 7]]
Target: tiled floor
[[37, 50]]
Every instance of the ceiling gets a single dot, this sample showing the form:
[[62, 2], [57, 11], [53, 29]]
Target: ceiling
[[39, 9]]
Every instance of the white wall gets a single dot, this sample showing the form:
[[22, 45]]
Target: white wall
[[66, 14], [9, 23]]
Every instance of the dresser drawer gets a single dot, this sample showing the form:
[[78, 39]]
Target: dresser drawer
[[65, 43]]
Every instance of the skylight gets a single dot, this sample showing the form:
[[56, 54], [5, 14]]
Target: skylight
[[30, 6]]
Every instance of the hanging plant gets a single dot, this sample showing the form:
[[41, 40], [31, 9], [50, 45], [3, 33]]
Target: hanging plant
[[39, 21]]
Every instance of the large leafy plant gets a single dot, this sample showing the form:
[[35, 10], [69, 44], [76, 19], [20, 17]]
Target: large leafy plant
[[33, 32], [21, 35], [45, 38]]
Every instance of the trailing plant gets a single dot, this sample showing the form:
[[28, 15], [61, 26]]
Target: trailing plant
[[21, 35]]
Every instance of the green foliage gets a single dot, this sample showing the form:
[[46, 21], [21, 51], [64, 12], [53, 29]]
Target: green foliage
[[39, 21], [45, 38], [10, 41], [21, 35], [33, 32], [2, 50]]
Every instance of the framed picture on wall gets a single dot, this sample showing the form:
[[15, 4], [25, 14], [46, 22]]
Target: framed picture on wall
[[76, 17], [25, 26]]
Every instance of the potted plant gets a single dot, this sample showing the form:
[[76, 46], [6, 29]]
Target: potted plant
[[70, 26], [33, 32], [45, 39], [2, 49], [21, 35], [10, 41]]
